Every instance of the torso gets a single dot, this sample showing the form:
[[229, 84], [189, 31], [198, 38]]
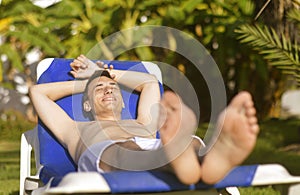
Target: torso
[[89, 133]]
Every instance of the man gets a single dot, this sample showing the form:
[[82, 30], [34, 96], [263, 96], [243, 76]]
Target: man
[[98, 145]]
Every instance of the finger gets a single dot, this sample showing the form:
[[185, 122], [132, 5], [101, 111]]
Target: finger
[[111, 67], [73, 73], [74, 66], [100, 64], [81, 58], [84, 66], [105, 66], [76, 63], [113, 76]]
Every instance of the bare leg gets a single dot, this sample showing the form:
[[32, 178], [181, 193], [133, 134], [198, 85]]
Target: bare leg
[[238, 136], [179, 124], [239, 131]]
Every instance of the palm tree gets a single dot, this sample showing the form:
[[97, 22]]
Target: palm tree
[[279, 46], [70, 28], [279, 51]]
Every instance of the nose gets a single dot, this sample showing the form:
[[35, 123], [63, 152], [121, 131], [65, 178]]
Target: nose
[[108, 90]]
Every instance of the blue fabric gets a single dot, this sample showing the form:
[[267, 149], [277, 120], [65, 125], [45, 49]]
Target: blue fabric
[[53, 156], [156, 181], [241, 176], [142, 181]]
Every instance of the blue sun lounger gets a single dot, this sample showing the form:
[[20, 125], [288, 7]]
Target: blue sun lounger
[[56, 172]]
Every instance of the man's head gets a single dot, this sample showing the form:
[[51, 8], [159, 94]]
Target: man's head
[[102, 97]]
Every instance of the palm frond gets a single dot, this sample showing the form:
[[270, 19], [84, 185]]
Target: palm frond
[[294, 15], [277, 50]]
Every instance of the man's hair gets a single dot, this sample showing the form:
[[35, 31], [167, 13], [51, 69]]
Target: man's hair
[[97, 74]]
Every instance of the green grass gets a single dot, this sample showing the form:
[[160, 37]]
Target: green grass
[[9, 167], [10, 134], [259, 191], [274, 137]]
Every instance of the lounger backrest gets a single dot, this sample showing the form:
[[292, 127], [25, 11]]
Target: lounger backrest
[[54, 158]]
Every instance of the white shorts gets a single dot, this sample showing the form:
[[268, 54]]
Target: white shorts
[[90, 159]]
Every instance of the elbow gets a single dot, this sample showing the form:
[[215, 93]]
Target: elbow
[[152, 78], [33, 90], [151, 82]]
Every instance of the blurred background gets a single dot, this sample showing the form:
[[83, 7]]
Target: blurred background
[[255, 43]]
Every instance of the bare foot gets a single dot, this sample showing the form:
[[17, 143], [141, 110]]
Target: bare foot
[[237, 139], [180, 123]]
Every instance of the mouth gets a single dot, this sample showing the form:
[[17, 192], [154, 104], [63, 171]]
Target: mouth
[[108, 99]]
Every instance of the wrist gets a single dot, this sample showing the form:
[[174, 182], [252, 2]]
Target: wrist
[[79, 85]]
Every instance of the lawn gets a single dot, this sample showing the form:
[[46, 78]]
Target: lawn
[[9, 167], [10, 134], [278, 143]]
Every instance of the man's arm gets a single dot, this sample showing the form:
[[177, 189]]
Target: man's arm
[[43, 97], [147, 85]]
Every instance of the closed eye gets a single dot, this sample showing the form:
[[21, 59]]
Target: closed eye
[[101, 87]]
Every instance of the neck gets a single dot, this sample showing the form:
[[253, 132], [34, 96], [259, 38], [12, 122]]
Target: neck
[[108, 117]]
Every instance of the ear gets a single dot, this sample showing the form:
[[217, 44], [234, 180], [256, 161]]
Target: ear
[[86, 106]]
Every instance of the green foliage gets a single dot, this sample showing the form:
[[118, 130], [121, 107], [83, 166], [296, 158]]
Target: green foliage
[[259, 191], [294, 16], [22, 26], [13, 124], [278, 135], [271, 147], [70, 28], [9, 166], [278, 50]]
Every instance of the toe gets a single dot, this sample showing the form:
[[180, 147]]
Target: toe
[[255, 129], [242, 99], [250, 112], [252, 120]]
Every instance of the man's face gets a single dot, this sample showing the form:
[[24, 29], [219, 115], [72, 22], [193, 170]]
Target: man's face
[[105, 96]]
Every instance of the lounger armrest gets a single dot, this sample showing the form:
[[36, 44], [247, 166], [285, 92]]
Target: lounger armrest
[[278, 176], [29, 141], [81, 182], [273, 174]]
